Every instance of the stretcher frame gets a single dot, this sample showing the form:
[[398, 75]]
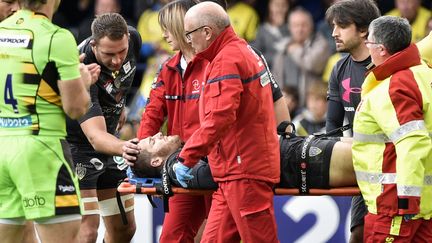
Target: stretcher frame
[[126, 187]]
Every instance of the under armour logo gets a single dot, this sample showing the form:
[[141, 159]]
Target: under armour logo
[[346, 84]]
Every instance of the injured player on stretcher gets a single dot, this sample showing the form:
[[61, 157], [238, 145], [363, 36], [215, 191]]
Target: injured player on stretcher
[[306, 162]]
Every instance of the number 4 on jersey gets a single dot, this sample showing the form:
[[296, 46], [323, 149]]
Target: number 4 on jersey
[[8, 94]]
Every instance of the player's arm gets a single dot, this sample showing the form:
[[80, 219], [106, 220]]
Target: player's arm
[[74, 78], [96, 132], [94, 127], [74, 94], [335, 109]]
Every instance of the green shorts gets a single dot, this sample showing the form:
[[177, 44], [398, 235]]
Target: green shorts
[[36, 178]]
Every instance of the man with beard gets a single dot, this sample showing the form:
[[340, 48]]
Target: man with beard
[[329, 160], [94, 145], [350, 20]]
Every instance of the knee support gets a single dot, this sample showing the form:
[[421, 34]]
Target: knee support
[[89, 206], [110, 207]]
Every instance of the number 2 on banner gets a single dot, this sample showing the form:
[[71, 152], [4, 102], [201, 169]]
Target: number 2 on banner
[[8, 94]]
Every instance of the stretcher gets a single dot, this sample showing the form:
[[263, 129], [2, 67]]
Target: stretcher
[[340, 191]]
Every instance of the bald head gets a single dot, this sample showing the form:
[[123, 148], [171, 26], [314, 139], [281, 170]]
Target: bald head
[[208, 13]]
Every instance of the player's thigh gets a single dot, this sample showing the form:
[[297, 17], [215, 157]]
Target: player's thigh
[[11, 230], [43, 178], [59, 229]]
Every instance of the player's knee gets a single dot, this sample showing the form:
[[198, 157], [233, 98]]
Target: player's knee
[[88, 235], [125, 232]]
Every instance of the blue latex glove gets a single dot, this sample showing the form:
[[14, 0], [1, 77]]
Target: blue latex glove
[[183, 173], [408, 216]]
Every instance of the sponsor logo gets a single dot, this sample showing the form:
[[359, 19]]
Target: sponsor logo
[[389, 239], [165, 181], [15, 122], [36, 201], [346, 84], [97, 163], [121, 165], [80, 170], [66, 188], [264, 79], [196, 86], [127, 67], [349, 108], [14, 40], [305, 145], [314, 151], [128, 75]]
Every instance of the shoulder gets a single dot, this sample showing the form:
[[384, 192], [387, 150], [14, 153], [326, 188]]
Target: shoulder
[[134, 35]]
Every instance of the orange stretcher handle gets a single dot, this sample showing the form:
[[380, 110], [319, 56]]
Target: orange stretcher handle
[[340, 191]]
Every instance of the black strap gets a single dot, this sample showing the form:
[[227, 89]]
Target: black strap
[[120, 205], [334, 131], [165, 187], [150, 199], [303, 175], [138, 188]]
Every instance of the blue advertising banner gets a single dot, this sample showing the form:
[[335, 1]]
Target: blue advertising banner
[[300, 219]]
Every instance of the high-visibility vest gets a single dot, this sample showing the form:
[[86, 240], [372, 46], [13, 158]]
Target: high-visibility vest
[[392, 149]]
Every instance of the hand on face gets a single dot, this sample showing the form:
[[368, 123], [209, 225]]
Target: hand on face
[[131, 151]]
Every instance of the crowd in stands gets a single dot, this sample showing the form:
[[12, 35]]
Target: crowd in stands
[[292, 34]]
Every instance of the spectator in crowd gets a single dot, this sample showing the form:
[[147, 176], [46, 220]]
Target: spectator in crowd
[[273, 34], [425, 48], [392, 148], [312, 119], [100, 7], [304, 56], [94, 145], [325, 28], [417, 16], [350, 20], [37, 159], [244, 19]]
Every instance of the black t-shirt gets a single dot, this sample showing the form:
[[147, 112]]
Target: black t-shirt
[[344, 92], [108, 94]]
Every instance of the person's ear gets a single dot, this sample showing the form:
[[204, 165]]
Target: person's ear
[[383, 51], [156, 162], [364, 33], [208, 32], [93, 45]]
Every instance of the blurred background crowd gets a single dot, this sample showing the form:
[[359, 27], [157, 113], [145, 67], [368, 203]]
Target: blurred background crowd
[[292, 34]]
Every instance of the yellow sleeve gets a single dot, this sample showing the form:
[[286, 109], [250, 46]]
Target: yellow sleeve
[[425, 48]]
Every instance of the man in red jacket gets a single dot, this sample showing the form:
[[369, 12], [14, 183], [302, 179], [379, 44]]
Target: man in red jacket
[[237, 131]]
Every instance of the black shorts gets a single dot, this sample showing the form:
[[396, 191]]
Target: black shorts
[[317, 153], [358, 211], [95, 170]]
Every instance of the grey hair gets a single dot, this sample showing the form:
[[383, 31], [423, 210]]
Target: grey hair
[[392, 32], [215, 18]]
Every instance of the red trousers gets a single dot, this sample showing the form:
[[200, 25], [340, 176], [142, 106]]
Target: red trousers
[[242, 209], [185, 216], [377, 228]]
